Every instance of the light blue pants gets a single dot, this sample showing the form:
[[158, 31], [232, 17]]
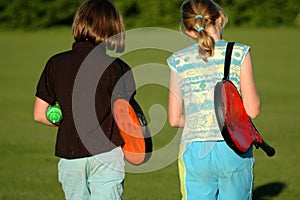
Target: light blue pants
[[212, 171], [99, 177]]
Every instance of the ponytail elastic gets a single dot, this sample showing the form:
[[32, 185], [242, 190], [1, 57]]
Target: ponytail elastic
[[200, 29], [198, 17]]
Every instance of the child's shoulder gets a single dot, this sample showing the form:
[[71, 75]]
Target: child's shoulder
[[59, 56], [192, 49], [188, 50], [241, 45], [238, 46]]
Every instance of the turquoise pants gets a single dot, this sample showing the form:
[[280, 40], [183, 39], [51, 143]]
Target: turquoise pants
[[212, 171], [99, 177]]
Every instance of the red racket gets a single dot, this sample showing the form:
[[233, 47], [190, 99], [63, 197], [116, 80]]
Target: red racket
[[134, 131], [236, 127]]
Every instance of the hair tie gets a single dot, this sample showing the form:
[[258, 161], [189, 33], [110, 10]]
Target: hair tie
[[198, 17], [200, 29]]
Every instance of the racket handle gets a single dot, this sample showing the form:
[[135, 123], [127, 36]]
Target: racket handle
[[270, 151]]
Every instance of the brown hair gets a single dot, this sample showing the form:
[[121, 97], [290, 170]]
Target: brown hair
[[99, 21], [208, 12]]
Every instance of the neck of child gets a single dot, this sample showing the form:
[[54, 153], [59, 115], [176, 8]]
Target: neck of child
[[215, 32], [217, 38]]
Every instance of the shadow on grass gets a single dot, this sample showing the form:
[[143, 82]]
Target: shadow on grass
[[268, 191]]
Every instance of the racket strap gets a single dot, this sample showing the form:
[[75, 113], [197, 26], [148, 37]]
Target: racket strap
[[228, 60]]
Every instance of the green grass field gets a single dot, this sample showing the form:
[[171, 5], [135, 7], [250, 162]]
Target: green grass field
[[28, 167]]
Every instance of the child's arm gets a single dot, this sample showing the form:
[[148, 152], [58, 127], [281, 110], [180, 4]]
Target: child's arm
[[251, 100], [175, 110], [39, 112]]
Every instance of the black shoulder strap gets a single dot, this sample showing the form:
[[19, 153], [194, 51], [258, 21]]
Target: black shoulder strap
[[228, 60]]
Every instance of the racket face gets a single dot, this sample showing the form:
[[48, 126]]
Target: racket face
[[135, 146], [235, 125], [236, 118]]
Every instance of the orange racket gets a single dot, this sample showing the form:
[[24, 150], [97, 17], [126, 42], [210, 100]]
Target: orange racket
[[134, 131]]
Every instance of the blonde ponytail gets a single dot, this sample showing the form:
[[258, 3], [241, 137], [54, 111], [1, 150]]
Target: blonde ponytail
[[197, 15]]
